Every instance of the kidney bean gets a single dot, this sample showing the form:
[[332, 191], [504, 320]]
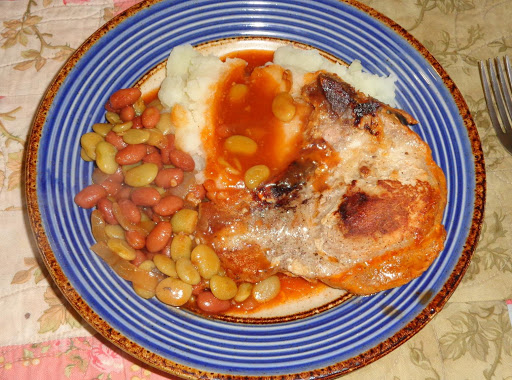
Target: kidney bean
[[109, 108], [127, 113], [150, 117], [111, 186], [124, 97], [132, 154], [196, 194], [145, 196], [89, 196], [130, 211], [139, 258], [135, 238], [154, 158], [182, 160], [170, 177], [166, 148], [115, 140], [137, 122], [104, 205], [123, 193], [206, 301], [168, 205], [159, 237]]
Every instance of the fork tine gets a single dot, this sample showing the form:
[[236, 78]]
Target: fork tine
[[498, 96], [488, 99], [505, 83]]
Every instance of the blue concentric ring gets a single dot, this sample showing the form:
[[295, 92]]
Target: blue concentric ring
[[138, 43]]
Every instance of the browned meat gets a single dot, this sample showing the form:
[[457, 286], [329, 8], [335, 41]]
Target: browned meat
[[360, 208]]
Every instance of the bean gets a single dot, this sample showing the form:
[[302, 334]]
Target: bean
[[139, 258], [283, 106], [187, 272], [181, 246], [88, 142], [127, 113], [139, 106], [239, 144], [136, 239], [114, 231], [223, 287], [266, 289], [170, 177], [130, 155], [102, 128], [206, 261], [147, 265], [155, 158], [84, 155], [123, 193], [122, 127], [116, 140], [244, 292], [255, 175], [137, 123], [106, 157], [98, 227], [136, 136], [165, 123], [130, 211], [113, 117], [165, 265], [105, 207], [166, 147], [145, 196], [168, 205], [143, 293], [150, 117], [159, 236], [173, 291], [182, 160], [89, 196], [124, 97], [237, 92], [111, 186], [196, 194], [122, 249], [206, 301], [141, 175], [156, 138], [185, 220]]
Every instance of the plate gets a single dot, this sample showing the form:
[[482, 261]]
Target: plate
[[329, 342]]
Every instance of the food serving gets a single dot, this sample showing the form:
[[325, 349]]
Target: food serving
[[256, 168]]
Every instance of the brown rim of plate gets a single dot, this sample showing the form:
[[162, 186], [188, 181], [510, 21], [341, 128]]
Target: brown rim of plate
[[329, 372]]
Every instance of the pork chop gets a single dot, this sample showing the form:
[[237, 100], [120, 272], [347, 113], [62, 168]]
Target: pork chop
[[359, 209]]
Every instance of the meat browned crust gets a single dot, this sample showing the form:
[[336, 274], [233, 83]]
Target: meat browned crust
[[360, 208]]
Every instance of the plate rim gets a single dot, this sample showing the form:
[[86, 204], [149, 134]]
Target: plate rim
[[169, 366]]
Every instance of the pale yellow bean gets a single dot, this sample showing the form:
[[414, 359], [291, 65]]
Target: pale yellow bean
[[102, 128], [147, 265], [125, 168], [255, 175], [165, 265], [143, 293], [244, 292], [184, 220], [141, 175], [89, 141], [98, 225], [181, 246], [122, 127], [106, 157], [240, 144], [222, 287], [164, 125], [139, 106], [267, 289], [84, 155], [136, 136], [122, 248], [114, 231], [237, 92], [206, 261], [283, 106], [113, 118], [173, 291], [156, 137], [187, 272]]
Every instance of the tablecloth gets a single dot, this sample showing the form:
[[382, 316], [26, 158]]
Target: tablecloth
[[41, 337]]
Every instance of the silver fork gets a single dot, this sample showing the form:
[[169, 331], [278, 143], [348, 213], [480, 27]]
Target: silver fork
[[497, 91]]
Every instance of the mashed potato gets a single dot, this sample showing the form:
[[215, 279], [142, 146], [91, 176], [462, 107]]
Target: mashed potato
[[191, 80]]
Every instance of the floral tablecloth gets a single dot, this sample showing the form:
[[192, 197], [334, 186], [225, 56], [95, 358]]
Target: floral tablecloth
[[42, 338]]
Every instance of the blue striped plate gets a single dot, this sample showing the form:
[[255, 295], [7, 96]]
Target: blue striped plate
[[333, 342]]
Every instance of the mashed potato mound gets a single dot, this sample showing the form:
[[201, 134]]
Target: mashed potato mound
[[191, 80]]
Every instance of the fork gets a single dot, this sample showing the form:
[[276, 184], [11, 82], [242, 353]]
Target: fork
[[497, 91]]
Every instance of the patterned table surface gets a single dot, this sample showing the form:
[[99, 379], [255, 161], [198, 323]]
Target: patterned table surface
[[41, 336]]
